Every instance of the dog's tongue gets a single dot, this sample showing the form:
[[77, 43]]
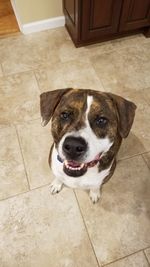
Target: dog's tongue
[[73, 163]]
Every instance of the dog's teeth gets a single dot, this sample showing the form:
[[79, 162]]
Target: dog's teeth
[[73, 168]]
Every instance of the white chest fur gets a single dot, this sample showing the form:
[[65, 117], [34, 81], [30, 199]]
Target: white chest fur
[[90, 180]]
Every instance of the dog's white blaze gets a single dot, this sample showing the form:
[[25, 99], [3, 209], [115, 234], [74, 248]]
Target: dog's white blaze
[[89, 103], [95, 145]]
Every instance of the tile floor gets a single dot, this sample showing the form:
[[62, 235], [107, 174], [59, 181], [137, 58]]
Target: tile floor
[[67, 230]]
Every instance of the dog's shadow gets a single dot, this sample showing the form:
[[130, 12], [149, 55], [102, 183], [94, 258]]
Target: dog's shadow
[[129, 186]]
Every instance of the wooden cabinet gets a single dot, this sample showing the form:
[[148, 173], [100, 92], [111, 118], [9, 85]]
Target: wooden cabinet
[[135, 14], [90, 21]]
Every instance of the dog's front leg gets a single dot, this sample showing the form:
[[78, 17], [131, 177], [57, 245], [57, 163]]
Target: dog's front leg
[[56, 186], [95, 195]]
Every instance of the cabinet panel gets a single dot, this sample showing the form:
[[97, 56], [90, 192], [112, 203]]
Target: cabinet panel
[[99, 17], [72, 13], [135, 14]]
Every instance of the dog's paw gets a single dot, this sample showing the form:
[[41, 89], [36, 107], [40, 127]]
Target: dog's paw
[[55, 187], [95, 195]]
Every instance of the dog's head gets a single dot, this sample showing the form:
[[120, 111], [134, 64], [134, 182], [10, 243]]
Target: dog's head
[[86, 124]]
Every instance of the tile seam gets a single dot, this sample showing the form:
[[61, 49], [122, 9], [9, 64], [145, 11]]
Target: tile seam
[[24, 164], [119, 259], [133, 156], [86, 229], [25, 192], [145, 159], [146, 257]]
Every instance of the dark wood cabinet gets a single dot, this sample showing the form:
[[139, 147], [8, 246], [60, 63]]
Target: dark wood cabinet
[[90, 21], [135, 14]]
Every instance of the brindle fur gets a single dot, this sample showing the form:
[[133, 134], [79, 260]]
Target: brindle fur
[[119, 112]]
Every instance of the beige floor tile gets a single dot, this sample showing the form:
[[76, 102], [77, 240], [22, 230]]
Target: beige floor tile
[[146, 95], [135, 260], [74, 74], [99, 48], [19, 98], [114, 45], [147, 158], [131, 146], [147, 252], [68, 51], [38, 229], [35, 143], [119, 224], [127, 67], [12, 174], [1, 72], [28, 52], [129, 41]]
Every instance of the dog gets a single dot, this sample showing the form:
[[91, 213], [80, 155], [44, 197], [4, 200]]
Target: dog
[[87, 128]]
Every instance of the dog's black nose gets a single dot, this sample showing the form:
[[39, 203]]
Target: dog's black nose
[[74, 147]]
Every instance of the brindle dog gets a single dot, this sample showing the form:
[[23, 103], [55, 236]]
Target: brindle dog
[[87, 128]]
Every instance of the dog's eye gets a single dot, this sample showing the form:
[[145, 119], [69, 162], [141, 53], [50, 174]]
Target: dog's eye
[[65, 115], [101, 121]]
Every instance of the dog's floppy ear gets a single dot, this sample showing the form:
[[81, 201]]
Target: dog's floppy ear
[[48, 102], [126, 111]]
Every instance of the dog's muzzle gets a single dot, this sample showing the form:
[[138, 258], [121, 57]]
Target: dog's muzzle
[[74, 149]]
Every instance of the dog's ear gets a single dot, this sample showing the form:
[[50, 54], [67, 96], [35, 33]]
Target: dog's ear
[[126, 112], [48, 102]]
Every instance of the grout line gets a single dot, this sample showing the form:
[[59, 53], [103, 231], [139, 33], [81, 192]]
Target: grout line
[[32, 70], [145, 159], [132, 156], [115, 47], [119, 259], [25, 192], [86, 230], [3, 73], [92, 64], [22, 157], [37, 81], [146, 257], [15, 73], [18, 123]]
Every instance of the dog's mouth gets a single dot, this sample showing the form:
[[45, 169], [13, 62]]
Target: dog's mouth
[[76, 169]]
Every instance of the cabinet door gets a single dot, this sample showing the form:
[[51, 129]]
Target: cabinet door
[[99, 18], [135, 14]]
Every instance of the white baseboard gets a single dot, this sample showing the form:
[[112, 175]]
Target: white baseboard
[[37, 26], [43, 25]]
